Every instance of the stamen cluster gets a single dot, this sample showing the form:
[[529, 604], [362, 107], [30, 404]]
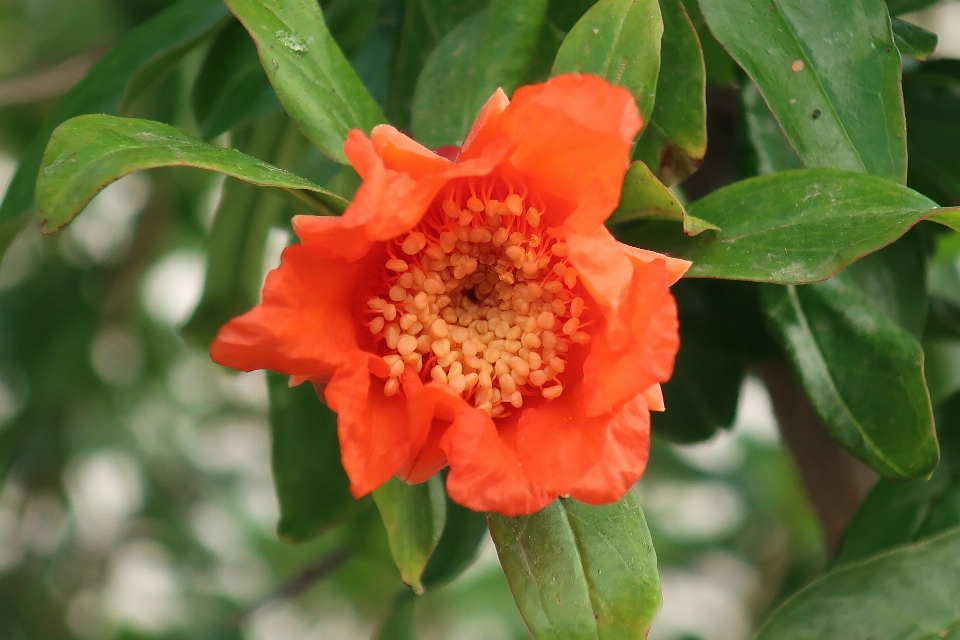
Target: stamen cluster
[[478, 297]]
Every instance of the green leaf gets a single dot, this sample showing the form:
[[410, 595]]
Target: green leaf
[[399, 623], [459, 545], [579, 571], [899, 7], [674, 140], [350, 22], [491, 49], [312, 487], [87, 153], [895, 279], [443, 16], [912, 40], [862, 372], [231, 88], [163, 38], [618, 40], [313, 79], [644, 196], [791, 227], [830, 73], [932, 100], [771, 151], [414, 516], [906, 594], [720, 67]]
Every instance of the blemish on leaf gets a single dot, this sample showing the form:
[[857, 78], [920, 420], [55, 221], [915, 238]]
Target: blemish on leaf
[[816, 113], [797, 66]]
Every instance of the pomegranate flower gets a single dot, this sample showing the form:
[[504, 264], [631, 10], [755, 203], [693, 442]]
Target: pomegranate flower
[[476, 313]]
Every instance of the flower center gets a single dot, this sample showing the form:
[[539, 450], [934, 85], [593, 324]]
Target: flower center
[[479, 298]]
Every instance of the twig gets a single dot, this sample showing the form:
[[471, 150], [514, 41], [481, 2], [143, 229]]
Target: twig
[[297, 585]]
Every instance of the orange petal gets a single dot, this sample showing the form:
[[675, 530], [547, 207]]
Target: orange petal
[[616, 371], [401, 153], [432, 408], [557, 443], [485, 472], [675, 266], [304, 327], [607, 273], [484, 128], [623, 459], [373, 429], [654, 398], [574, 138], [388, 203]]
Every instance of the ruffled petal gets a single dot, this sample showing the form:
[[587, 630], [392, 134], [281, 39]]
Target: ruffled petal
[[432, 408], [616, 371], [374, 430], [484, 128], [388, 203], [623, 459], [401, 153], [675, 266], [557, 443], [574, 138], [607, 273], [304, 327], [485, 472]]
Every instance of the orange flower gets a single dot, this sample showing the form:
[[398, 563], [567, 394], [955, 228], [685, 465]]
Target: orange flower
[[477, 313]]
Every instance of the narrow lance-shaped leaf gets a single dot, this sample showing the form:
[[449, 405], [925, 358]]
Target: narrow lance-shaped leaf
[[313, 79], [312, 488], [413, 516], [491, 49], [912, 40], [618, 40], [791, 227], [862, 372], [581, 572], [165, 37], [906, 594], [674, 140], [830, 73], [644, 196], [87, 153]]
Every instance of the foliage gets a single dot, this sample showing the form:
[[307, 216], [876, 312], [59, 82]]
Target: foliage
[[826, 249]]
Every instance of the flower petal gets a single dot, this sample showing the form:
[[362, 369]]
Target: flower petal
[[388, 203], [675, 266], [623, 459], [374, 430], [484, 128], [432, 409], [616, 370], [485, 472], [401, 153], [574, 138], [557, 443], [304, 327]]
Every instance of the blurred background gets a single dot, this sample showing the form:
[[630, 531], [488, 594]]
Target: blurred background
[[136, 497]]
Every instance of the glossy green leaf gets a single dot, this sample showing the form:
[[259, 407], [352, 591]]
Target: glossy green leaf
[[674, 140], [897, 513], [912, 40], [618, 40], [862, 372], [771, 151], [414, 516], [932, 100], [312, 487], [399, 624], [315, 83], [489, 50], [231, 88], [579, 571], [830, 73], [87, 153], [443, 16], [906, 594], [895, 279], [459, 545], [644, 196], [165, 37], [899, 7], [350, 22], [720, 67], [791, 227]]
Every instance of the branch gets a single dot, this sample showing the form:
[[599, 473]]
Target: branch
[[835, 482], [298, 584]]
